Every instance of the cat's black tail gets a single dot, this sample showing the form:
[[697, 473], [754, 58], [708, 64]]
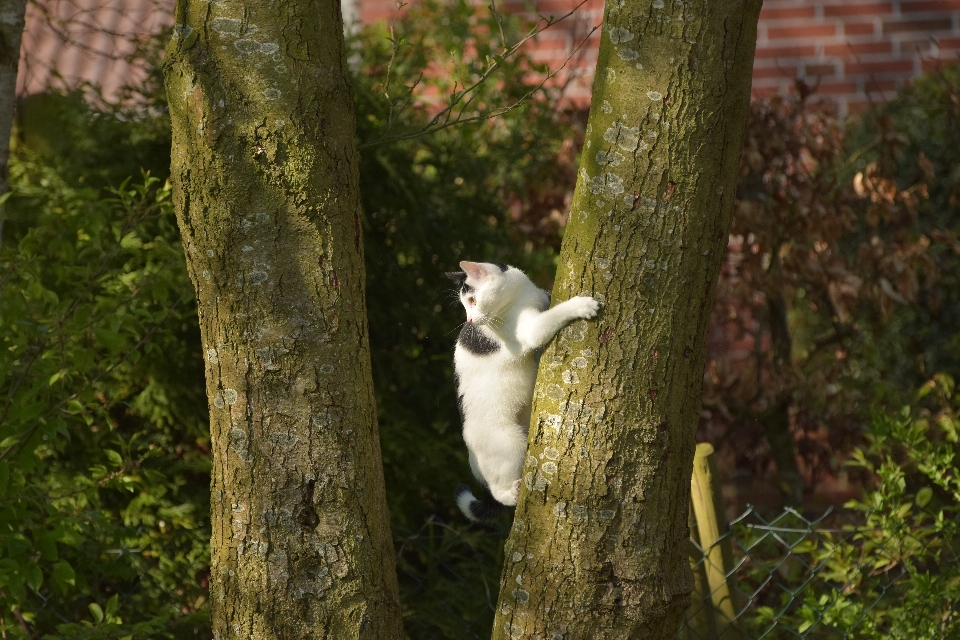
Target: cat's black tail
[[478, 510]]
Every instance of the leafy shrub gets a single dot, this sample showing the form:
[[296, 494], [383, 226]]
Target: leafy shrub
[[840, 288], [104, 483], [898, 574]]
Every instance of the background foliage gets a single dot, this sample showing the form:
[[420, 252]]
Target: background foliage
[[103, 481], [839, 295]]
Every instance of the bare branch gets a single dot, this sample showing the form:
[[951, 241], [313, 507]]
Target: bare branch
[[459, 102]]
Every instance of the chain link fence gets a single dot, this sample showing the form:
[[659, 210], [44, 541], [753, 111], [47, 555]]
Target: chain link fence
[[765, 577], [794, 577]]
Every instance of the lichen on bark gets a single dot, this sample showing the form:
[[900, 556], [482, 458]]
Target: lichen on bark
[[266, 186], [598, 547]]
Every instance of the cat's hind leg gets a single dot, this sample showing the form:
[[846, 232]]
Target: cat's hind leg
[[506, 492], [474, 466]]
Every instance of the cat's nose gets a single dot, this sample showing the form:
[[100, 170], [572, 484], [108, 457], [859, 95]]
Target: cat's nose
[[470, 320]]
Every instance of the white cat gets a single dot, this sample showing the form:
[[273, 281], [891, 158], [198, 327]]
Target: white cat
[[508, 322]]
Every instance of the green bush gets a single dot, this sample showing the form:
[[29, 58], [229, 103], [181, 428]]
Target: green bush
[[103, 480], [905, 156], [898, 573]]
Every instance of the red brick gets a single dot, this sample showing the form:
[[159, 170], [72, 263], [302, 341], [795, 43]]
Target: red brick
[[921, 46], [858, 29], [929, 5], [875, 86], [818, 70], [552, 37], [906, 26], [871, 9], [786, 13], [948, 43], [836, 88], [764, 92], [866, 9], [856, 107], [374, 14], [808, 31], [785, 52], [555, 7], [883, 66], [788, 71], [857, 48]]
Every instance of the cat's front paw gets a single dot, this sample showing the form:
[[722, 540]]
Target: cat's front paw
[[585, 306], [515, 491]]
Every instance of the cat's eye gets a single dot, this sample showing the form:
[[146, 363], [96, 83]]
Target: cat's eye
[[472, 300]]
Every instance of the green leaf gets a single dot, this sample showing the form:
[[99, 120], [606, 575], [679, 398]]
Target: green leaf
[[64, 575], [96, 612], [115, 457], [47, 543], [33, 575], [131, 241], [68, 536], [112, 604], [923, 496], [109, 339], [56, 376], [9, 441]]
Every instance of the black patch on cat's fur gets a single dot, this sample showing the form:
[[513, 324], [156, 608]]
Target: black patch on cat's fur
[[485, 509], [456, 385], [457, 276], [476, 342], [502, 266], [461, 279]]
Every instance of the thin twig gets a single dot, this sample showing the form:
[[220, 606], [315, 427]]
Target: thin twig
[[445, 117]]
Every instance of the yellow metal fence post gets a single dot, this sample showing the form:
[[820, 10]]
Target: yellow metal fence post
[[707, 503]]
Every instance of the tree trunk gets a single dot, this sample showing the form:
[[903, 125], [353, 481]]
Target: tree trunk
[[11, 33], [598, 547], [776, 422], [266, 184]]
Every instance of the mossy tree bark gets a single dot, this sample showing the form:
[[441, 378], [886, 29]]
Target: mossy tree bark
[[598, 547], [266, 184], [11, 34]]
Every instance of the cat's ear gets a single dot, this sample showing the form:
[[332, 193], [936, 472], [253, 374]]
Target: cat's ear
[[474, 270], [457, 276]]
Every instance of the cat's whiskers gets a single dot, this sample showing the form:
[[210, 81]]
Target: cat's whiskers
[[494, 321], [497, 319], [457, 328], [453, 297]]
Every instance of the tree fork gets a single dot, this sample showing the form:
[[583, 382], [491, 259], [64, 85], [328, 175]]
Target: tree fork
[[266, 186], [598, 547]]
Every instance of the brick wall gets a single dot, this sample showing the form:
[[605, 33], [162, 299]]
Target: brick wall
[[70, 42], [855, 51]]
